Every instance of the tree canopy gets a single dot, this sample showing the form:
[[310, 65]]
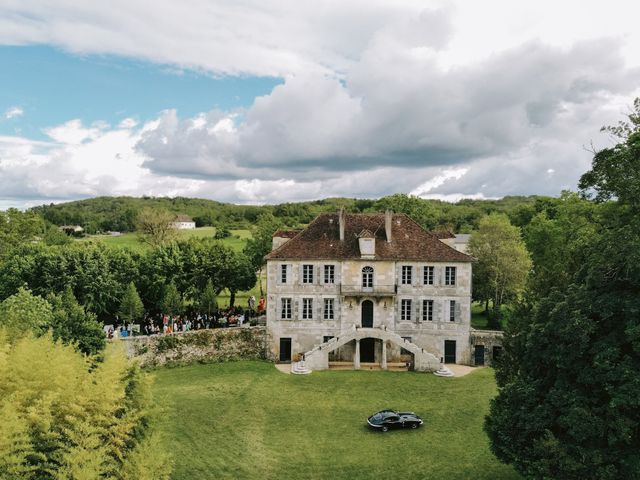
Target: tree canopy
[[569, 378]]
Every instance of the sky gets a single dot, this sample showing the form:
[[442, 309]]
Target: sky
[[257, 102]]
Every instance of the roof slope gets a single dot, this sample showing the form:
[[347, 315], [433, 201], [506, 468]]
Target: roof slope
[[409, 241]]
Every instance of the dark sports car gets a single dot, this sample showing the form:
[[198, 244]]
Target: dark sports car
[[386, 419]]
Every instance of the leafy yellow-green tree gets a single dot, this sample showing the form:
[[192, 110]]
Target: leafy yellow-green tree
[[500, 273], [68, 417]]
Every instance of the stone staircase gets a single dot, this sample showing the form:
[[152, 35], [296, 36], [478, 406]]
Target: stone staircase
[[318, 357]]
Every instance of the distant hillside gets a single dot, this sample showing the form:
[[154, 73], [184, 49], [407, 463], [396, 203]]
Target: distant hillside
[[119, 213]]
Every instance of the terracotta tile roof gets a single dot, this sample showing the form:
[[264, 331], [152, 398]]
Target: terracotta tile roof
[[442, 234], [409, 241], [286, 233], [183, 218]]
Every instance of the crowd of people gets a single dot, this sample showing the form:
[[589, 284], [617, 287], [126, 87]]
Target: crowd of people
[[192, 320]]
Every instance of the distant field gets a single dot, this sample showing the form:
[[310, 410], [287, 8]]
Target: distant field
[[237, 240], [246, 420]]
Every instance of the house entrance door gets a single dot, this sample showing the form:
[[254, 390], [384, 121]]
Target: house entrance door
[[479, 355], [449, 351], [285, 349], [367, 314], [367, 350]]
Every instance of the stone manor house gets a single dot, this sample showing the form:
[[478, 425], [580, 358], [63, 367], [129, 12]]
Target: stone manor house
[[370, 291]]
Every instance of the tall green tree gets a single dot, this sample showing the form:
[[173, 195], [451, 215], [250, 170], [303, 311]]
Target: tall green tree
[[207, 301], [73, 324], [18, 227], [568, 405], [172, 302], [503, 262], [131, 307], [261, 242]]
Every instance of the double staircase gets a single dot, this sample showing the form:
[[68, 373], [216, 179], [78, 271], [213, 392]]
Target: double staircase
[[318, 357]]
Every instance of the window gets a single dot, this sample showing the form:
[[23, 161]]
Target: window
[[326, 338], [427, 276], [307, 308], [367, 277], [329, 274], [450, 276], [405, 310], [307, 273], [407, 275], [283, 273], [452, 310], [285, 313], [328, 308], [427, 310]]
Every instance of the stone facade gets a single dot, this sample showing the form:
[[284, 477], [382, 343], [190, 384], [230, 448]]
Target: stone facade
[[422, 301]]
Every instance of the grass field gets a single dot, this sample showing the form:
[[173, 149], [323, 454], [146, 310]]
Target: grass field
[[246, 420], [237, 240]]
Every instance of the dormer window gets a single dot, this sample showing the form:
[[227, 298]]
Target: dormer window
[[367, 244], [367, 277]]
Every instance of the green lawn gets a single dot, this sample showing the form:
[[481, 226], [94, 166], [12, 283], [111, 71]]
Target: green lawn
[[247, 420], [237, 240]]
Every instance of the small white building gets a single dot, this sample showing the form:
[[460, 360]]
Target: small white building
[[369, 290], [183, 222]]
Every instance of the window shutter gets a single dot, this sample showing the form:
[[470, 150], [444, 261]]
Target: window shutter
[[398, 310], [319, 306], [296, 305], [416, 311], [458, 311], [446, 311]]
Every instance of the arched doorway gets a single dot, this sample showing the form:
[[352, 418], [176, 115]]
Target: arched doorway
[[367, 314]]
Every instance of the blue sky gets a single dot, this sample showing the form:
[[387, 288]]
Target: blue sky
[[52, 87], [269, 102]]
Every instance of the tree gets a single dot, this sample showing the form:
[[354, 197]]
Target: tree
[[222, 232], [131, 307], [155, 226], [612, 173], [66, 416], [568, 380], [72, 324], [18, 227], [503, 262], [24, 313], [207, 302], [172, 302], [261, 242]]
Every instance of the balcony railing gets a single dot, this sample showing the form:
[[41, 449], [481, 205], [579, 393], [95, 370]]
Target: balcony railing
[[376, 289]]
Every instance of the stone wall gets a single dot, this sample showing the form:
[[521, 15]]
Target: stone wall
[[216, 345], [491, 340]]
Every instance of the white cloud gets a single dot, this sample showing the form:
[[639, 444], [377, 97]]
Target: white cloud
[[13, 112], [455, 99]]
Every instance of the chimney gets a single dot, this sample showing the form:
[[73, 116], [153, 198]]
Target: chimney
[[341, 221], [388, 215]]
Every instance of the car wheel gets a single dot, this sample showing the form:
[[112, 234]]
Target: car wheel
[[385, 428], [414, 425]]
